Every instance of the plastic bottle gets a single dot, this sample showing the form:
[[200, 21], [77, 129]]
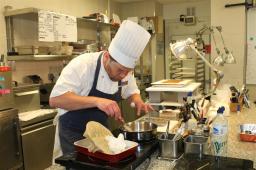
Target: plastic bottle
[[219, 134]]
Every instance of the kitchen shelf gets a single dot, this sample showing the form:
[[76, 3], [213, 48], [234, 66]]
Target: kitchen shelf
[[39, 57], [179, 69], [166, 103], [11, 14], [36, 10], [93, 21], [20, 11]]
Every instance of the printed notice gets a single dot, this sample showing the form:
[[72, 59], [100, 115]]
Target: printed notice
[[65, 28], [57, 27], [45, 26]]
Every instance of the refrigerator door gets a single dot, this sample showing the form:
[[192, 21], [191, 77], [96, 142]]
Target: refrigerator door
[[10, 143]]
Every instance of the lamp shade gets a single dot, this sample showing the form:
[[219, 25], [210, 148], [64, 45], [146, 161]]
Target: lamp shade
[[182, 49]]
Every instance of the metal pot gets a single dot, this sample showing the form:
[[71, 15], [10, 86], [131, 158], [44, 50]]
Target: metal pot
[[139, 131]]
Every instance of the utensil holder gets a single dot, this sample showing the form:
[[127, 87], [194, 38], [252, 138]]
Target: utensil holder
[[170, 149], [197, 145]]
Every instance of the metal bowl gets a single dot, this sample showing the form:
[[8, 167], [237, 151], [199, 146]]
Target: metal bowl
[[139, 131]]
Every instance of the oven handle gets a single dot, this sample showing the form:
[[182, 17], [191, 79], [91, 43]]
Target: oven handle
[[36, 126], [37, 129], [27, 93], [17, 135]]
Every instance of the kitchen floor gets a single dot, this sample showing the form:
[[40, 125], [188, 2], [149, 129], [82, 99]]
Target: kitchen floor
[[56, 167]]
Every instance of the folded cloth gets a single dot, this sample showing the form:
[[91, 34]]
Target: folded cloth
[[116, 145]]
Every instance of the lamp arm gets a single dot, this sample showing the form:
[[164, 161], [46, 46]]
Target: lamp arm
[[219, 74], [203, 58]]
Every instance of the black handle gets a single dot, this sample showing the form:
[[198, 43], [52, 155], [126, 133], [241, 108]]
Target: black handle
[[247, 4]]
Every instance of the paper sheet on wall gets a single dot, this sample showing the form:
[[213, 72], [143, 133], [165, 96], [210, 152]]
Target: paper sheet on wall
[[251, 47], [56, 27], [45, 26]]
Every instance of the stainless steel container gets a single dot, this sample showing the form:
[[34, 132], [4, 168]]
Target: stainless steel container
[[197, 145], [170, 149]]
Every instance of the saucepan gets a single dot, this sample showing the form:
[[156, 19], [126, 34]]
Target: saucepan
[[139, 131]]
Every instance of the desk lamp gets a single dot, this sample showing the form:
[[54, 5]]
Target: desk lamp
[[228, 58], [186, 49]]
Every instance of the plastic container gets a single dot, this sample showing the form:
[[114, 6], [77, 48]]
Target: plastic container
[[219, 134], [248, 132]]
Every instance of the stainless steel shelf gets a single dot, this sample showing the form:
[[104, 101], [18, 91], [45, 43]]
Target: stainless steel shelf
[[93, 21], [20, 11], [39, 57], [35, 10]]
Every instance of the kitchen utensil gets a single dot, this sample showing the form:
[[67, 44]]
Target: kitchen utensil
[[126, 127], [170, 149], [167, 130], [179, 132], [197, 145], [83, 145], [139, 131]]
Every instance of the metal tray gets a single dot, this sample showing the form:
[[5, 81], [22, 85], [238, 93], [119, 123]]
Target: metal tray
[[248, 132], [82, 147]]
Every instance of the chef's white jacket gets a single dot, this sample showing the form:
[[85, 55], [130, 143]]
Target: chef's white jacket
[[78, 76]]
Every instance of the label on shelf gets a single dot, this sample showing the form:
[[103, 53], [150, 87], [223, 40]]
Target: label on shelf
[[5, 91], [5, 68]]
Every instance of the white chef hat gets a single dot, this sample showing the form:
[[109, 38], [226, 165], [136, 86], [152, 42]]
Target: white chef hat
[[128, 43]]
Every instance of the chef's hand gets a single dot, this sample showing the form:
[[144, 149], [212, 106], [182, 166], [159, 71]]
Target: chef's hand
[[110, 107], [140, 105]]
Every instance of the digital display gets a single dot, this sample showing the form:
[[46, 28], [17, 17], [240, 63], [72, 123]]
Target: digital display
[[189, 20]]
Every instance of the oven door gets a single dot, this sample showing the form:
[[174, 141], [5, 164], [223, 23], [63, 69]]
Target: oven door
[[37, 145], [10, 144]]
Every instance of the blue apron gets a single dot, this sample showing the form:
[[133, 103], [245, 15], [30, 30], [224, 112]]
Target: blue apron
[[73, 123]]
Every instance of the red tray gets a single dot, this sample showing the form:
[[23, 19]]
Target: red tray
[[81, 147], [247, 137]]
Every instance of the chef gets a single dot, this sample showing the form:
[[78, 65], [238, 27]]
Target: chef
[[90, 86]]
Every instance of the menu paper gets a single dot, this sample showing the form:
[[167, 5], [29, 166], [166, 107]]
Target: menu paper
[[56, 27], [45, 26]]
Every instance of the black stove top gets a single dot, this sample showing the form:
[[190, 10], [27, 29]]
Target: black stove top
[[81, 161]]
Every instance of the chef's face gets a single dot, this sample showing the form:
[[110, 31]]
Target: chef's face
[[115, 70]]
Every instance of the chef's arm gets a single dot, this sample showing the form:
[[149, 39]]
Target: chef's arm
[[71, 101], [139, 104]]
